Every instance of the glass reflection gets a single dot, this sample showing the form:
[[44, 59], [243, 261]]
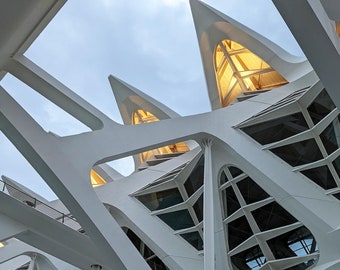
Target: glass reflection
[[277, 129], [160, 200], [299, 153], [321, 176], [321, 106], [272, 216]]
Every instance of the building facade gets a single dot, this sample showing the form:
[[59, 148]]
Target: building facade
[[253, 184]]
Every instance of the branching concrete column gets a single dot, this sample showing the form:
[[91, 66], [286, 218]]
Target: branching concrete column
[[208, 209]]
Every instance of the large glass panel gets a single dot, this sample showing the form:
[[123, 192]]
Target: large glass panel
[[223, 178], [195, 180], [299, 242], [234, 171], [321, 176], [194, 239], [162, 199], [143, 116], [177, 220], [299, 153], [238, 231], [272, 216], [239, 70], [278, 129], [336, 195], [330, 137], [230, 202], [153, 261], [250, 191], [336, 164], [198, 208], [321, 106], [250, 259]]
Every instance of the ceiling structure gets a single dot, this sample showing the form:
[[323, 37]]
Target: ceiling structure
[[253, 184]]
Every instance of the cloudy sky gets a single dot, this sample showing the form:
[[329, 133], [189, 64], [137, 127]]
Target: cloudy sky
[[151, 44]]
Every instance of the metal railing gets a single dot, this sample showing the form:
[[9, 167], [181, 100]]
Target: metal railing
[[42, 207]]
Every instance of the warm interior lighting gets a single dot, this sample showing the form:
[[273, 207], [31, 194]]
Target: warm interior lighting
[[142, 116], [1, 245], [337, 27], [96, 179], [238, 70]]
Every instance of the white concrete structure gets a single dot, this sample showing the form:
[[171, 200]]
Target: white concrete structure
[[253, 184]]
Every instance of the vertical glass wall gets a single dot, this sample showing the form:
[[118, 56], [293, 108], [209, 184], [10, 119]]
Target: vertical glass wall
[[180, 203], [308, 140], [152, 260], [238, 70], [260, 231]]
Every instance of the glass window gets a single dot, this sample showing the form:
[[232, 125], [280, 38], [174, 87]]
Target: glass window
[[272, 216], [278, 129], [195, 180], [251, 258], [198, 208], [194, 239], [321, 106], [238, 231], [330, 137], [337, 195], [223, 178], [153, 261], [162, 199], [238, 70], [336, 164], [250, 191], [299, 153], [321, 176], [142, 117], [177, 220], [230, 202], [299, 242], [234, 171]]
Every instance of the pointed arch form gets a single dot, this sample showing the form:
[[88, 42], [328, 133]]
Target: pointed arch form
[[212, 27], [141, 117], [136, 108], [238, 70]]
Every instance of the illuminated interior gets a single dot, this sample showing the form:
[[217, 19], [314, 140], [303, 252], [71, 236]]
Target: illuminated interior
[[96, 179], [1, 245], [337, 27], [238, 70], [141, 117]]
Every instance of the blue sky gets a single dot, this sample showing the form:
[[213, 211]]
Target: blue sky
[[151, 44]]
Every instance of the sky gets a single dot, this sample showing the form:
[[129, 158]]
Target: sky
[[150, 44]]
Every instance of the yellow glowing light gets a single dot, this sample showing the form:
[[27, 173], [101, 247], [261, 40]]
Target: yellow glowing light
[[142, 116], [1, 245], [96, 179], [337, 27], [238, 70]]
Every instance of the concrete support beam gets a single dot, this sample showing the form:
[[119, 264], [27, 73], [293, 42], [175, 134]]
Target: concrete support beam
[[49, 87], [311, 36], [208, 209]]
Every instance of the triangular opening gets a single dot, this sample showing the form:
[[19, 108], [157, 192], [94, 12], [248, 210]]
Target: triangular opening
[[48, 115]]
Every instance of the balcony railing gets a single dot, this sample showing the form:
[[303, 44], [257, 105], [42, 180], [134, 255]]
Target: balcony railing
[[42, 207]]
